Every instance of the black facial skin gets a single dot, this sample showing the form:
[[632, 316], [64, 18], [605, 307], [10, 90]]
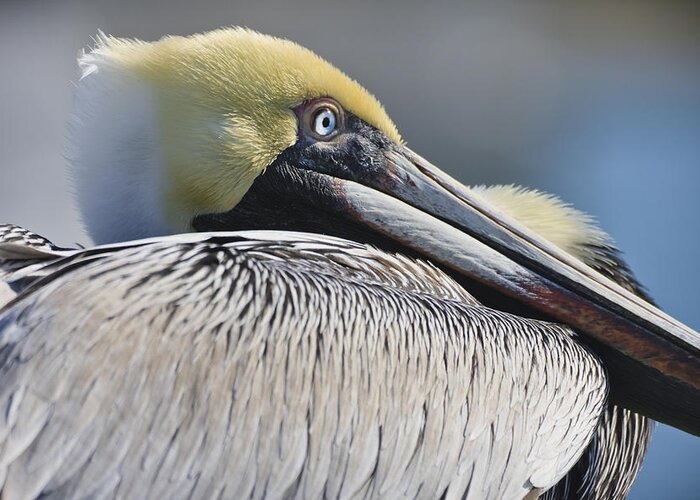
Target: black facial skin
[[291, 195]]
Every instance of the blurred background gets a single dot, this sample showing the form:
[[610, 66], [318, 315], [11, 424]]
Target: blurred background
[[596, 101]]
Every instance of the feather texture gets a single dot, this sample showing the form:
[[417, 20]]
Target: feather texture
[[280, 365]]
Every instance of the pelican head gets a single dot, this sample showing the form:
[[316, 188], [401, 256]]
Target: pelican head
[[183, 126], [233, 129]]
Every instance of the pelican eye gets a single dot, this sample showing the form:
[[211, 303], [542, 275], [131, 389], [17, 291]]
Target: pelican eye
[[324, 122], [320, 119]]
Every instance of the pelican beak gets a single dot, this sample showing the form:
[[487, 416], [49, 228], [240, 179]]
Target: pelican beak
[[653, 360]]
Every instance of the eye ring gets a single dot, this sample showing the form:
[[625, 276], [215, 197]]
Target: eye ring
[[321, 119], [324, 121]]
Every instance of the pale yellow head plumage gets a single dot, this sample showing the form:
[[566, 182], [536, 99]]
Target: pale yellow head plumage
[[224, 104]]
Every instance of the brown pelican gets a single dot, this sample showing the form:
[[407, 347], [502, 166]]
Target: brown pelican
[[348, 321]]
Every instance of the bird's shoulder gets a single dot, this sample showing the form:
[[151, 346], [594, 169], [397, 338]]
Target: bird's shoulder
[[22, 254]]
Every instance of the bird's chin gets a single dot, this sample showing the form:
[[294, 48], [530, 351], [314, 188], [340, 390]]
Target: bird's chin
[[274, 203]]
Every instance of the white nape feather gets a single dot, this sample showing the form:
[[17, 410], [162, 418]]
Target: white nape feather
[[114, 152], [575, 232]]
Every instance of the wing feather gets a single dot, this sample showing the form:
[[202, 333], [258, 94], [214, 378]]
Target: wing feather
[[279, 366]]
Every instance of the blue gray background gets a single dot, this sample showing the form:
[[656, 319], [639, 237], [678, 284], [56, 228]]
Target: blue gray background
[[596, 101]]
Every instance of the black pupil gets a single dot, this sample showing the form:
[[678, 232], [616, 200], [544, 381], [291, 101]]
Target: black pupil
[[326, 122]]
